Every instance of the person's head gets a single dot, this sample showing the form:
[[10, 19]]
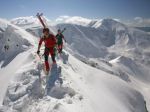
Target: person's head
[[59, 31], [46, 31]]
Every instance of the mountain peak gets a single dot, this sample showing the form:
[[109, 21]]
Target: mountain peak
[[97, 23], [24, 20]]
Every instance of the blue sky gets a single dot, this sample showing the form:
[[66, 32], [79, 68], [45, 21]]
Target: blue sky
[[121, 9]]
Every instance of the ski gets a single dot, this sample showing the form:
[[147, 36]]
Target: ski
[[40, 19], [63, 30]]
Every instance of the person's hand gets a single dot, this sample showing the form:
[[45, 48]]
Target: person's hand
[[38, 52], [56, 45], [65, 41]]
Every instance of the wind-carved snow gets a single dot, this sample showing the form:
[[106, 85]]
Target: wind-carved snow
[[27, 87]]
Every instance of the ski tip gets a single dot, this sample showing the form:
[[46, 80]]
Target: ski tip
[[39, 14]]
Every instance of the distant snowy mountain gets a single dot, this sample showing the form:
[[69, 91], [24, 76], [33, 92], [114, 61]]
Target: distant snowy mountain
[[29, 21], [104, 35], [111, 40], [21, 21], [73, 20], [32, 24]]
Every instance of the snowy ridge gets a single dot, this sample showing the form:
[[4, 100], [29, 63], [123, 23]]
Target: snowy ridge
[[95, 23], [77, 75], [6, 24], [108, 37], [133, 68], [13, 41], [77, 35], [105, 66]]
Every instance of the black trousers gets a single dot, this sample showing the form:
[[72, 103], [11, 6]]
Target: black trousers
[[51, 52]]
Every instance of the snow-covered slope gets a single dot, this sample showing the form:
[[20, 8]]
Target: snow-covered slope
[[83, 41], [126, 49], [106, 35], [104, 67], [78, 87], [13, 41]]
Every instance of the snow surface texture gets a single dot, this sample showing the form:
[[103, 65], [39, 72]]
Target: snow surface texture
[[25, 92], [15, 40], [104, 67]]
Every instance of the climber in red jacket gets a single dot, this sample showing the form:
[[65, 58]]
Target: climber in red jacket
[[50, 43]]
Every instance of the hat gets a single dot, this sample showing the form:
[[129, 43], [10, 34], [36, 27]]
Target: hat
[[45, 29], [59, 30]]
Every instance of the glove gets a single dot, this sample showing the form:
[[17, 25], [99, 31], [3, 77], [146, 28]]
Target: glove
[[38, 52]]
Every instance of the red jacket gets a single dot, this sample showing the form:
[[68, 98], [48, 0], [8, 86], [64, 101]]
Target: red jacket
[[49, 41]]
